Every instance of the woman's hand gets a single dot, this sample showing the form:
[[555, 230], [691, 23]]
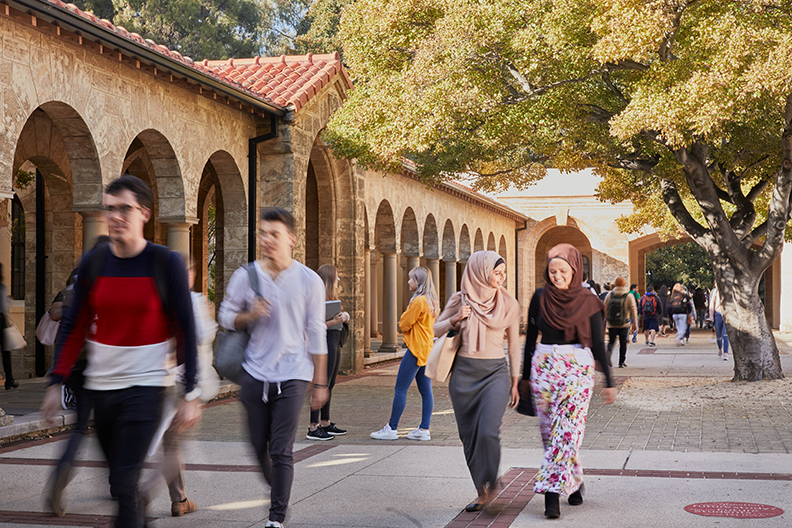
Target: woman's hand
[[344, 317], [609, 395], [514, 397], [463, 313]]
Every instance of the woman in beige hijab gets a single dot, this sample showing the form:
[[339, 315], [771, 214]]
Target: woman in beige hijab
[[482, 383]]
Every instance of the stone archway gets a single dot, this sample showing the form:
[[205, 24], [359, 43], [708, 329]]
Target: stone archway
[[771, 279], [478, 241], [57, 158], [411, 253], [320, 209], [511, 275], [491, 243], [151, 158], [448, 273], [557, 235], [219, 239], [431, 250], [385, 241]]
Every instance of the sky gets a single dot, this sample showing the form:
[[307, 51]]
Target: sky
[[581, 183]]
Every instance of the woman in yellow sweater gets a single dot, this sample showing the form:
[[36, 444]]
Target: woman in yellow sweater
[[416, 323]]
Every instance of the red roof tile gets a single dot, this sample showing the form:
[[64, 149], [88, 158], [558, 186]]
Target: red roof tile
[[287, 81]]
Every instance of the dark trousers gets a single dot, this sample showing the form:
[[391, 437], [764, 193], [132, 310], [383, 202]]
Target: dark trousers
[[126, 421], [333, 362], [273, 427], [622, 334], [84, 406], [7, 366]]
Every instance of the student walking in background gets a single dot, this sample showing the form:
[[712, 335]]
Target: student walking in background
[[416, 323], [323, 429], [4, 305], [637, 297], [679, 308], [482, 383], [665, 321], [561, 371], [650, 311], [620, 309], [168, 435], [716, 315]]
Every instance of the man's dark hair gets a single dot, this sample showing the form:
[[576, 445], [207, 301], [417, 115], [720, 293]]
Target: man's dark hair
[[649, 288], [277, 214], [633, 286], [143, 193]]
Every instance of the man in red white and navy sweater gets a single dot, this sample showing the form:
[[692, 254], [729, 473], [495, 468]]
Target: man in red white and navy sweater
[[119, 317]]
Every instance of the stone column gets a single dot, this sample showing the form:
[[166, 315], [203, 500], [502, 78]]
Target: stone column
[[389, 319], [374, 312], [413, 262], [434, 267], [94, 226], [451, 273], [179, 234], [367, 352]]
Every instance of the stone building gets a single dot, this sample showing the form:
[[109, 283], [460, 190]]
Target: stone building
[[84, 101]]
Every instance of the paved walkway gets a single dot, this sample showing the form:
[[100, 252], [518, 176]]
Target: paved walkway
[[660, 448]]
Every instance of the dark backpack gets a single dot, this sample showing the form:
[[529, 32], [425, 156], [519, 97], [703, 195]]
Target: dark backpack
[[616, 312], [679, 304], [98, 261], [649, 306]]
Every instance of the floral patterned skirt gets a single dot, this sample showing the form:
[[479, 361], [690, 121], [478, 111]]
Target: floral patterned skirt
[[562, 381]]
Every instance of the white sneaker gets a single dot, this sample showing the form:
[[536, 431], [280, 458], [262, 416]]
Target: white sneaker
[[725, 357], [419, 434], [273, 524], [386, 433]]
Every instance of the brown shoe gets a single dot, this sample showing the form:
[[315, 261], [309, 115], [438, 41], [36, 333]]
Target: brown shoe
[[180, 508]]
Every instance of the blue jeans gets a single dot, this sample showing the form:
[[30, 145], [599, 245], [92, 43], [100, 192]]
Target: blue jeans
[[408, 371], [720, 333]]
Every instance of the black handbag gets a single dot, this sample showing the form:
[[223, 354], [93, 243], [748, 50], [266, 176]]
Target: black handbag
[[230, 345], [344, 335], [526, 403]]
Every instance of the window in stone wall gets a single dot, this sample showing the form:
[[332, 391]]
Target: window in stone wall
[[17, 250], [586, 266]]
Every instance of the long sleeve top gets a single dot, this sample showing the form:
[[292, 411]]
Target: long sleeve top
[[416, 324], [123, 325], [554, 336], [494, 343], [281, 343]]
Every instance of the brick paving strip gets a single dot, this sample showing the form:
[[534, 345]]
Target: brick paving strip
[[299, 456], [48, 519], [513, 498]]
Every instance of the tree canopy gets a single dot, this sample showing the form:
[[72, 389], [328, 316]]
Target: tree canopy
[[684, 107], [687, 263], [209, 29]]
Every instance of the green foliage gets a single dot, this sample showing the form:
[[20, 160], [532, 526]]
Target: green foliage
[[212, 264], [317, 32], [502, 89], [24, 178], [687, 263], [208, 29]]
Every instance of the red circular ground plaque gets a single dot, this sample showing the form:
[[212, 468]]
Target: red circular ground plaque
[[736, 510]]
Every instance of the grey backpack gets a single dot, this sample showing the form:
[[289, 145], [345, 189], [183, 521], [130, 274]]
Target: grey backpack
[[230, 345]]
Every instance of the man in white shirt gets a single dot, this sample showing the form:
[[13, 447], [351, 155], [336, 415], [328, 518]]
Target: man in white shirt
[[287, 350]]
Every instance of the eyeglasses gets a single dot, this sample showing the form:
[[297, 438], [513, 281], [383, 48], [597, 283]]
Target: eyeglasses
[[121, 210]]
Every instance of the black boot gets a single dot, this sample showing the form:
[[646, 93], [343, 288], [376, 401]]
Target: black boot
[[576, 499], [552, 508], [11, 384]]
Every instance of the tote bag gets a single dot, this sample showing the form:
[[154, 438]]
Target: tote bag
[[47, 330], [12, 338], [441, 358], [231, 344]]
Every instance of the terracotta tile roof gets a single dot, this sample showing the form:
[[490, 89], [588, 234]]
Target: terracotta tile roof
[[286, 81]]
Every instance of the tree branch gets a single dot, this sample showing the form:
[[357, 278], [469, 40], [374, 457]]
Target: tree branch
[[677, 207], [778, 215], [668, 42], [757, 233]]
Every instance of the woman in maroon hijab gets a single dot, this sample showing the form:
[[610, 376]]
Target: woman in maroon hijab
[[561, 370]]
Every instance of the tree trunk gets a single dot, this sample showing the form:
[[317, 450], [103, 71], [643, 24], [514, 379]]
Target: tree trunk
[[752, 343]]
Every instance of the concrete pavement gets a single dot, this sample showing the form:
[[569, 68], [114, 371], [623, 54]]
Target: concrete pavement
[[678, 435]]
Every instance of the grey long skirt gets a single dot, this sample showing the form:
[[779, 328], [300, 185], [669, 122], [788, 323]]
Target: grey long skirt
[[479, 390]]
